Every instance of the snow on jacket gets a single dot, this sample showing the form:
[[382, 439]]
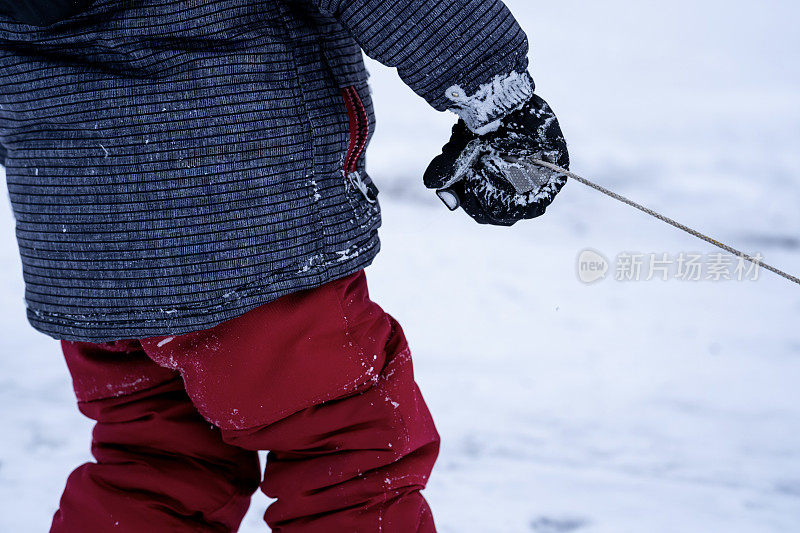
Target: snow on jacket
[[174, 163]]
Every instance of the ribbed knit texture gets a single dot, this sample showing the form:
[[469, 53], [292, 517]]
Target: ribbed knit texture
[[174, 164]]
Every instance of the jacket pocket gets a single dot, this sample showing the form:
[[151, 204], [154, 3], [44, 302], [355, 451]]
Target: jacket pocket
[[355, 178]]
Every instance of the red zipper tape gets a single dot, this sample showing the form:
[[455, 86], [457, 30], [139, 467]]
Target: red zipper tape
[[359, 128]]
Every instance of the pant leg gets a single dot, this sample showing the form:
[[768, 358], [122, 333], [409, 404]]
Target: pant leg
[[160, 467], [323, 379]]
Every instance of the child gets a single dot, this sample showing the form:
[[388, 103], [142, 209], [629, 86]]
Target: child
[[194, 218]]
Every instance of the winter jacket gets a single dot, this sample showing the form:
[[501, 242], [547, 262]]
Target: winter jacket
[[173, 164]]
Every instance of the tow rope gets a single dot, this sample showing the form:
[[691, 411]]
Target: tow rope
[[663, 218]]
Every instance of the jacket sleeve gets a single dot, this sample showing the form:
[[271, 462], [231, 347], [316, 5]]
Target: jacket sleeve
[[469, 56]]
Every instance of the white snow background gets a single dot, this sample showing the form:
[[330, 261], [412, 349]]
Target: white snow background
[[616, 407]]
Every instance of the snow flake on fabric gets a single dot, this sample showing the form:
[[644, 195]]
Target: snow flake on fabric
[[492, 101]]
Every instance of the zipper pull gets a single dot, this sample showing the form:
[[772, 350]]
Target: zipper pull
[[358, 183]]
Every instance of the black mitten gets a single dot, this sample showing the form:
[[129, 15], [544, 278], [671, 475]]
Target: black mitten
[[491, 177]]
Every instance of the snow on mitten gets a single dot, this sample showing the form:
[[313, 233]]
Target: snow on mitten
[[485, 167]]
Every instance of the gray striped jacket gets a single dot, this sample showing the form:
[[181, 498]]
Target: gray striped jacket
[[175, 163]]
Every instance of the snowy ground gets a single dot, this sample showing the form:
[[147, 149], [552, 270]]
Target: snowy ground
[[615, 407]]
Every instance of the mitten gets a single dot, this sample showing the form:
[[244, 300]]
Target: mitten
[[490, 174]]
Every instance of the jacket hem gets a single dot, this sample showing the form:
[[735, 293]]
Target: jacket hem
[[101, 328]]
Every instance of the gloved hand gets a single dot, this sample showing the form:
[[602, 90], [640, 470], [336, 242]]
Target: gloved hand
[[490, 175]]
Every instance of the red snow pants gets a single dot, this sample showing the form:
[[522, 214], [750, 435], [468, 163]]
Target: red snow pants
[[321, 378]]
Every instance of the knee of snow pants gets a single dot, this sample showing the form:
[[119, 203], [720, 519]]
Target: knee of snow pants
[[296, 352], [323, 379], [159, 465]]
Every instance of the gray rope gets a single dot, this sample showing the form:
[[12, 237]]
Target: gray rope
[[668, 220]]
